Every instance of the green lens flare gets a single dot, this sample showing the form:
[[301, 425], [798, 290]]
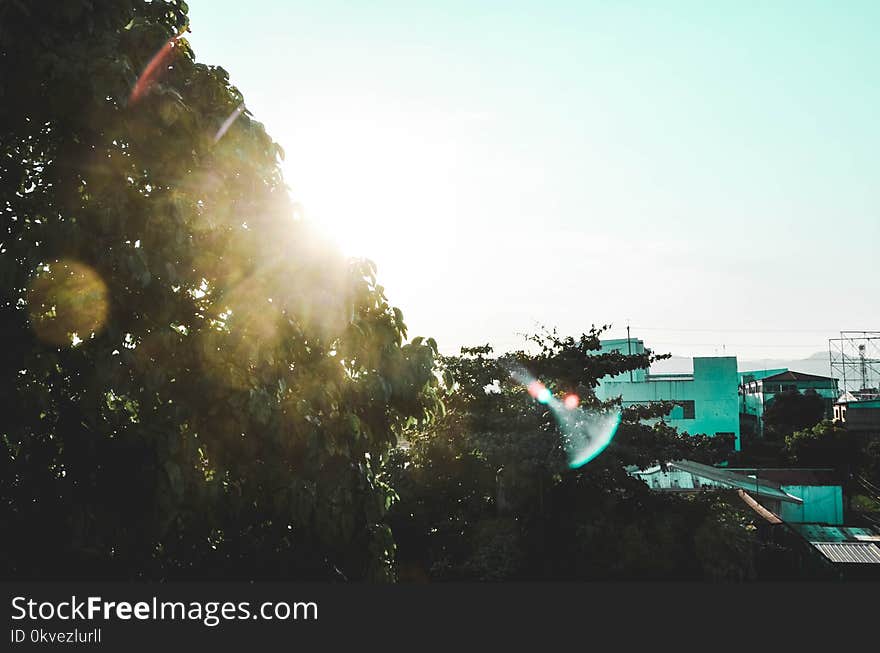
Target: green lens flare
[[584, 446], [585, 433]]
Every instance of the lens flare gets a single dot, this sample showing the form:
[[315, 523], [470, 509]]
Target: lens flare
[[305, 294], [154, 69], [585, 433], [534, 388], [228, 122], [67, 302]]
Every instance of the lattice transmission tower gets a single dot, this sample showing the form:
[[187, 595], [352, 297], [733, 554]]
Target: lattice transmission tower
[[855, 361]]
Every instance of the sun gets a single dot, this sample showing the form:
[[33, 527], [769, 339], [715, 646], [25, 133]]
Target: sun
[[378, 184]]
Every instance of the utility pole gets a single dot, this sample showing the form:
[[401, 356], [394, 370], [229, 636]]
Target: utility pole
[[629, 349]]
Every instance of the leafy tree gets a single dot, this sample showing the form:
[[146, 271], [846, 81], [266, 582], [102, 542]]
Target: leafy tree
[[829, 445], [194, 384], [825, 445], [487, 491], [792, 411]]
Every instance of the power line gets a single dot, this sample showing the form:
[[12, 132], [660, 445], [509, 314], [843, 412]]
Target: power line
[[729, 344], [688, 329]]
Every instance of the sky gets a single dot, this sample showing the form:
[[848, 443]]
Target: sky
[[704, 172]]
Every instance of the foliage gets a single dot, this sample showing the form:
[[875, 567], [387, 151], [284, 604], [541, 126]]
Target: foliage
[[724, 544], [194, 384], [871, 460], [792, 411], [486, 491], [825, 445]]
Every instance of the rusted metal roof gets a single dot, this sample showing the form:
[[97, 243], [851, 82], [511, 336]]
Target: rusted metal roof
[[768, 515]]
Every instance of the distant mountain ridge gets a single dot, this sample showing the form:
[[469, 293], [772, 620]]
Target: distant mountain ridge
[[817, 363]]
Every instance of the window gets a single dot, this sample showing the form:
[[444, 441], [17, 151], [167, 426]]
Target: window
[[687, 408]]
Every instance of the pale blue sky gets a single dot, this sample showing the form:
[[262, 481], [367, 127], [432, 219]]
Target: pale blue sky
[[707, 171]]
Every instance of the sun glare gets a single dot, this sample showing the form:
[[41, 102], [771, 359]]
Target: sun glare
[[378, 184]]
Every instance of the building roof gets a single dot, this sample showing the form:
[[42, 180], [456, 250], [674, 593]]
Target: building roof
[[768, 515], [618, 341], [842, 544], [791, 375], [858, 403], [757, 375], [791, 476], [759, 486], [832, 534], [849, 552]]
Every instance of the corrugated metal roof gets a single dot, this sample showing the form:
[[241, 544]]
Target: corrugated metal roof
[[849, 552], [733, 480], [826, 533]]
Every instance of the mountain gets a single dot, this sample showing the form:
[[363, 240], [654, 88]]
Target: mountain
[[817, 363]]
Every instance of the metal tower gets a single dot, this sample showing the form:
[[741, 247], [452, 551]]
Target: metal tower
[[855, 361]]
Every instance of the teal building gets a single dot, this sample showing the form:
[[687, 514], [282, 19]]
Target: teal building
[[706, 401], [758, 389], [796, 496]]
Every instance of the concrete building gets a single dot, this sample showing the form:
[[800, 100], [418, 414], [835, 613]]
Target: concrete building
[[758, 389], [796, 495], [849, 546], [801, 513], [859, 412], [705, 401]]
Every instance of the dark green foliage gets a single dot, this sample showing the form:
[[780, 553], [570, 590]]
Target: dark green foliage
[[825, 445], [792, 411], [829, 445], [223, 414], [486, 491]]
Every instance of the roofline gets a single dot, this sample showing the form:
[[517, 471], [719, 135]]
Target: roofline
[[805, 377], [769, 515], [761, 487]]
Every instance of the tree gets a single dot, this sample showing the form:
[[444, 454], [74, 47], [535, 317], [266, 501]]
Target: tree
[[490, 491], [792, 411], [825, 445], [195, 385]]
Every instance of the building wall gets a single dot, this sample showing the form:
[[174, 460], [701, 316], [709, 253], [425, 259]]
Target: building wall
[[712, 388], [859, 415], [625, 346], [823, 504]]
